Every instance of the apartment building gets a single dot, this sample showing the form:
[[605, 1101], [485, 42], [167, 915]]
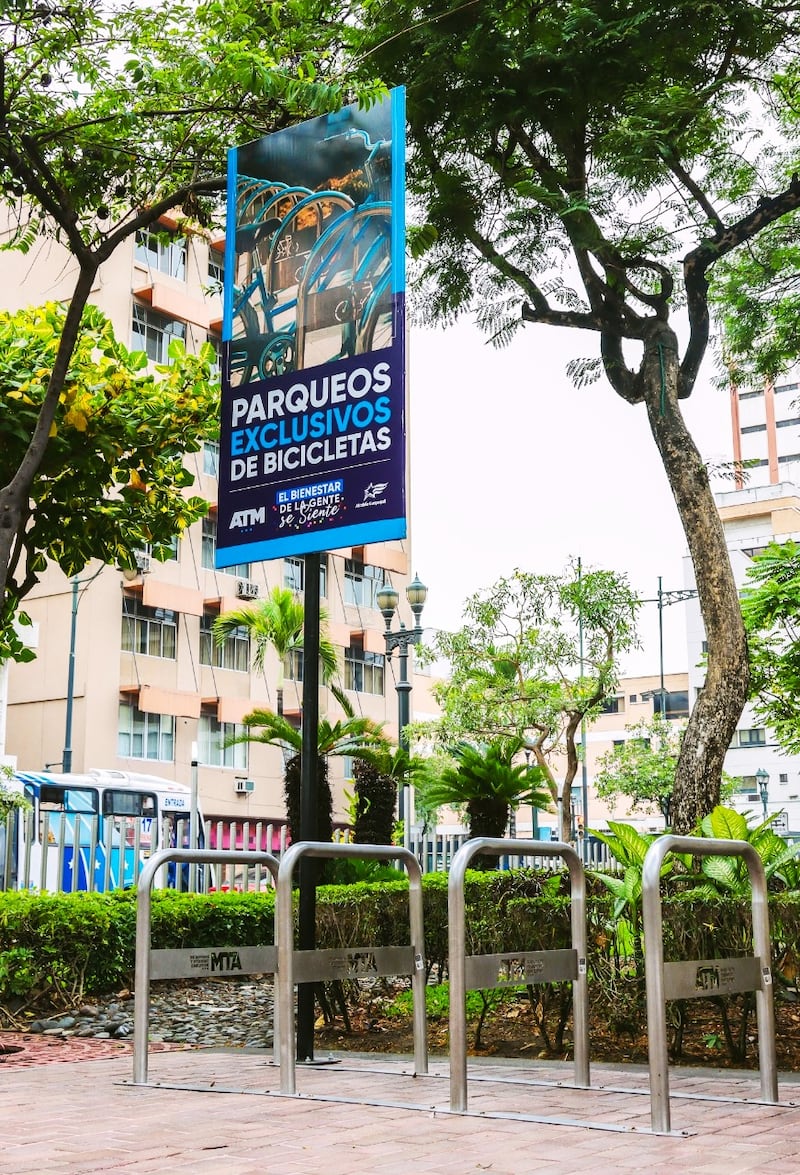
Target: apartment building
[[127, 674], [752, 517], [765, 425]]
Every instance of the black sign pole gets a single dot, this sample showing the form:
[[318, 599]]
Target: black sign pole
[[307, 911]]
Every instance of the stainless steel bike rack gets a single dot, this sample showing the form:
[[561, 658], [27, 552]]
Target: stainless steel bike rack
[[702, 977], [193, 962], [349, 962], [513, 967]]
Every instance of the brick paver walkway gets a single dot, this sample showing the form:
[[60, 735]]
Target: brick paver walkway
[[206, 1111]]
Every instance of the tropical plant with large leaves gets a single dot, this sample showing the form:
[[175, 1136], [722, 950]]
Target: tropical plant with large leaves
[[718, 876], [487, 782], [277, 623], [729, 875], [629, 848]]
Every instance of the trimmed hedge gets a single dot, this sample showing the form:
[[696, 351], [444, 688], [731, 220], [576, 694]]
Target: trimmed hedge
[[55, 950]]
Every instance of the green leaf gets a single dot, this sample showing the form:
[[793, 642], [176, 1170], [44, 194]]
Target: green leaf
[[725, 824]]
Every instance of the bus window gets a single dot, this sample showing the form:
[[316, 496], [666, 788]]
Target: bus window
[[53, 800], [69, 799], [128, 803]]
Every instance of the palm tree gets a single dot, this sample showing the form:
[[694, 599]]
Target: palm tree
[[277, 622], [348, 736], [486, 781]]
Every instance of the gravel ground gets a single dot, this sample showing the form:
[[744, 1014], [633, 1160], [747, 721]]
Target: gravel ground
[[236, 1012]]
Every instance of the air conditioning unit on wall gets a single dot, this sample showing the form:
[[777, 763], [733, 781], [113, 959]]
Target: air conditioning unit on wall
[[243, 787], [142, 561], [246, 589]]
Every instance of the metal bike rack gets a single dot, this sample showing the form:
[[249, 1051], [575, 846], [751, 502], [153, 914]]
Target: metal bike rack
[[194, 961], [696, 978], [513, 967], [349, 962]]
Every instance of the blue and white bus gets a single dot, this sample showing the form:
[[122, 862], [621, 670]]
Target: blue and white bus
[[91, 831]]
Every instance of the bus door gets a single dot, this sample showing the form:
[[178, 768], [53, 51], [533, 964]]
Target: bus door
[[9, 849], [130, 835]]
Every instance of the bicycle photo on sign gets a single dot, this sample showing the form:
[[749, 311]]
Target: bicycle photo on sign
[[312, 277]]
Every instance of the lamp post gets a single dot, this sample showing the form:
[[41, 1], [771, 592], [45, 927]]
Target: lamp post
[[762, 779], [66, 757], [388, 598], [663, 599]]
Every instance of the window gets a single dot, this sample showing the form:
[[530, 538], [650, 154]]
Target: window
[[152, 632], [363, 671], [212, 736], [704, 646], [294, 575], [293, 665], [208, 551], [216, 364], [362, 582], [145, 736], [783, 777], [631, 698], [619, 742], [746, 785], [211, 458], [671, 703], [147, 548], [613, 706], [233, 653], [152, 333], [162, 251], [216, 270], [755, 736]]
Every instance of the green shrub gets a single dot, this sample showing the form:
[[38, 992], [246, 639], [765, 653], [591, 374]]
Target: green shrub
[[56, 950]]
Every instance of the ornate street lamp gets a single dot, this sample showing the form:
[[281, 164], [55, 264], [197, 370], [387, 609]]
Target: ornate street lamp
[[762, 779], [388, 599]]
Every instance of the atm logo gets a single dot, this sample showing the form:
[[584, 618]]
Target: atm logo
[[246, 518]]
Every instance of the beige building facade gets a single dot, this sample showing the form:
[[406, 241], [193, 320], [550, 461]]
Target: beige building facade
[[127, 675]]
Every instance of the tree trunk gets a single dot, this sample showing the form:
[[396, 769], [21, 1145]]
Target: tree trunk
[[719, 705], [487, 817], [376, 801], [291, 786]]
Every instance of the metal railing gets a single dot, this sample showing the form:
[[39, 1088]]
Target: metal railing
[[698, 978], [88, 852], [513, 967]]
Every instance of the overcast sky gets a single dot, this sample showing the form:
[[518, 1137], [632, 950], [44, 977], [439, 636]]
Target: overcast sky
[[512, 466]]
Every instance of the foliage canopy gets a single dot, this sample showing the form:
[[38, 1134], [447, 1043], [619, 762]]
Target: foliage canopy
[[587, 164], [536, 656], [771, 609], [112, 479]]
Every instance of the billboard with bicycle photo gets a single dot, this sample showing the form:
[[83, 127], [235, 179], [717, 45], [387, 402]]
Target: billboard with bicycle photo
[[312, 439]]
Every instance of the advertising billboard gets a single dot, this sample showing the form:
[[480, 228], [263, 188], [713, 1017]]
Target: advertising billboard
[[312, 438]]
